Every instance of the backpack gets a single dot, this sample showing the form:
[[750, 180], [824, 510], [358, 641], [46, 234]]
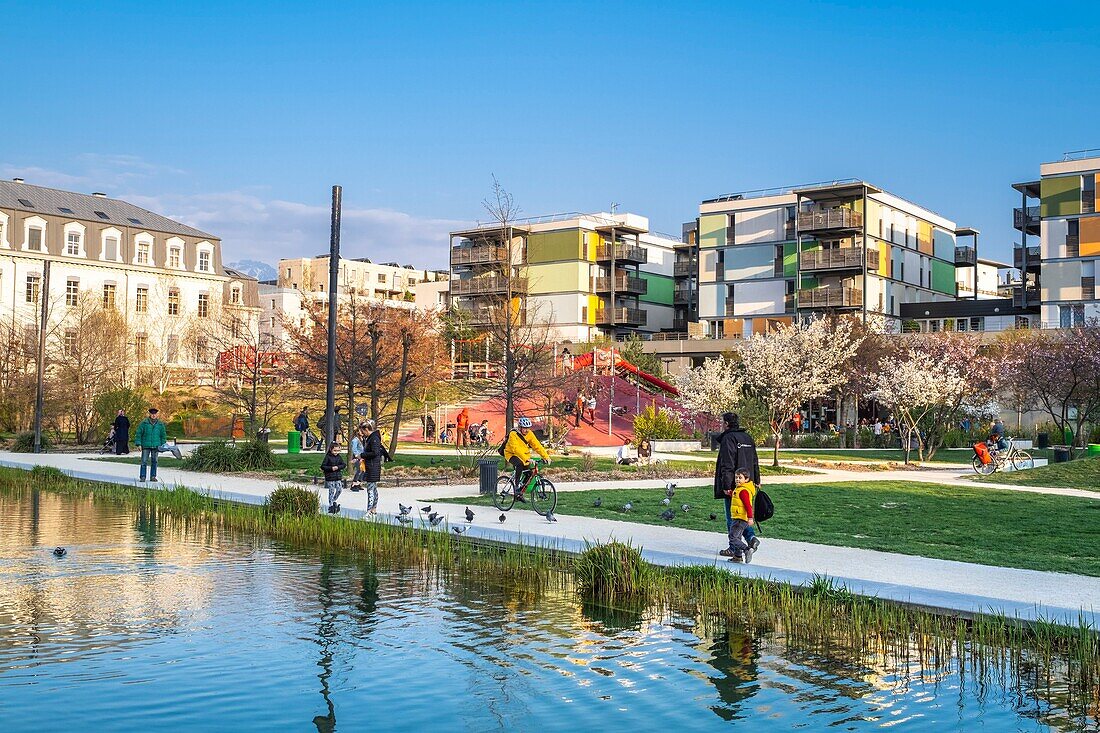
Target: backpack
[[762, 507], [500, 448]]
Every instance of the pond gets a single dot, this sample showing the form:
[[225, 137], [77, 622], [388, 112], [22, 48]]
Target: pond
[[156, 624]]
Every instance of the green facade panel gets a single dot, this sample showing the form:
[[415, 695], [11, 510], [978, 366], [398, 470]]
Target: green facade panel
[[943, 277], [554, 246], [659, 289], [712, 231], [1060, 196], [790, 259]]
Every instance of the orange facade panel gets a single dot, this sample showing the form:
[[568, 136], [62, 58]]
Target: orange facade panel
[[1090, 236]]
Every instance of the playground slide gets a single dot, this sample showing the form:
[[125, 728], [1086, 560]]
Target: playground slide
[[584, 361]]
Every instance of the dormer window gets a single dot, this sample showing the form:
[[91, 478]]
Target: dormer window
[[143, 249], [235, 295], [34, 239], [72, 244], [204, 261], [174, 257]]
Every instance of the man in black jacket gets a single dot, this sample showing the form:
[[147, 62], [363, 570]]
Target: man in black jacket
[[736, 450]]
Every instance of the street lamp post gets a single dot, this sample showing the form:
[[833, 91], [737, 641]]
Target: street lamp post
[[333, 286], [44, 297]]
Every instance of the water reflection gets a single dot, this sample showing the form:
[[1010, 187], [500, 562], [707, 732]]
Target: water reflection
[[238, 633]]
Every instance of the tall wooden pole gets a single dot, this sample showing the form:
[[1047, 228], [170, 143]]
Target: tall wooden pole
[[43, 301], [333, 286]]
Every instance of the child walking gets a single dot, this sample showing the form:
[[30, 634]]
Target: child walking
[[333, 467], [739, 517]]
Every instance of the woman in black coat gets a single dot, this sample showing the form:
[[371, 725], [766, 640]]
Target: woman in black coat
[[373, 455], [122, 433]]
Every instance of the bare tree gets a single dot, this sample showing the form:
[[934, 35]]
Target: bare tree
[[509, 314]]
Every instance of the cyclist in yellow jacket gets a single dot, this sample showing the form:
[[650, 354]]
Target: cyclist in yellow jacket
[[517, 452]]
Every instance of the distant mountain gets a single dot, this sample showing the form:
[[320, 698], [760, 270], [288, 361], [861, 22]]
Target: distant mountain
[[255, 268]]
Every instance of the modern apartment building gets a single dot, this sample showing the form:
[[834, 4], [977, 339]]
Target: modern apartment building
[[1059, 272], [589, 275], [768, 256], [165, 278]]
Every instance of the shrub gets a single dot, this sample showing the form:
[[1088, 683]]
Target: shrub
[[657, 425], [588, 462], [174, 429], [48, 475], [612, 570], [255, 456], [24, 442], [293, 500], [109, 403], [215, 457]]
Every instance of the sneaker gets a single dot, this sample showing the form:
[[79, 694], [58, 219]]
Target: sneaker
[[141, 480], [519, 498], [737, 559], [728, 553], [154, 478], [748, 554], [755, 544]]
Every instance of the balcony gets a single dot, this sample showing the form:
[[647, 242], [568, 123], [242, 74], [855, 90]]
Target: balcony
[[965, 257], [679, 324], [488, 285], [624, 253], [482, 316], [1023, 297], [1028, 218], [685, 268], [1025, 258], [1073, 245], [681, 296], [483, 254], [830, 297], [623, 317], [624, 284], [844, 258], [816, 219]]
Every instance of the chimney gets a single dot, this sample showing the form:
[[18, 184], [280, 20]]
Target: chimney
[[100, 194], [18, 180]]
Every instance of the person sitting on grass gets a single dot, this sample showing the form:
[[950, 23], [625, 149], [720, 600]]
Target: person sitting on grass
[[517, 452], [333, 467], [623, 458], [645, 452]]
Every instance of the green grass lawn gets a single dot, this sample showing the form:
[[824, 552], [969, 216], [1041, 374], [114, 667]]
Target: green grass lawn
[[311, 462], [886, 454], [976, 525], [1083, 473]]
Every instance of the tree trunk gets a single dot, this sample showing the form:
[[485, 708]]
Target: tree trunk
[[402, 387], [775, 449]]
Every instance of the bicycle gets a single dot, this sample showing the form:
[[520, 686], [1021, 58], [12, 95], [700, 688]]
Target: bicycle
[[540, 492], [1017, 458], [312, 441]]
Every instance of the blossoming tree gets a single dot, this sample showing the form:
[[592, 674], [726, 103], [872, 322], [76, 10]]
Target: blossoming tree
[[713, 388]]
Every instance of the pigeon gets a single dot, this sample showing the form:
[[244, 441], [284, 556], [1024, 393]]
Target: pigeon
[[685, 507], [668, 515], [627, 507], [459, 530], [550, 517], [598, 502], [469, 515], [502, 517], [665, 501], [432, 516], [426, 509], [404, 519], [712, 517], [59, 551], [670, 489], [433, 461], [435, 520], [404, 509]]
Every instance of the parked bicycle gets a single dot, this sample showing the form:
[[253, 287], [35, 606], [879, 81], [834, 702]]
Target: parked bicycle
[[312, 441], [987, 461], [539, 492]]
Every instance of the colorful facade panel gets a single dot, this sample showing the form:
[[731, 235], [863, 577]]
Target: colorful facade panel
[[1060, 196], [712, 230]]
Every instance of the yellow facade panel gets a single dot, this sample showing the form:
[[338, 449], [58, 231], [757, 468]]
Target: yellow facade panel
[[559, 277], [883, 258]]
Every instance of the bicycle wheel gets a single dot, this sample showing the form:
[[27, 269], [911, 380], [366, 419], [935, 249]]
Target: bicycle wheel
[[543, 497], [505, 496], [1021, 459], [983, 469]]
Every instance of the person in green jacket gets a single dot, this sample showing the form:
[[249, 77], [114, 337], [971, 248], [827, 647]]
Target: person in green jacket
[[150, 436]]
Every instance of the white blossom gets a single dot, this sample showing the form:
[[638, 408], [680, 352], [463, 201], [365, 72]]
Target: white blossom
[[714, 388]]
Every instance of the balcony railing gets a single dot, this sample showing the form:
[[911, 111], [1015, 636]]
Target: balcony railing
[[478, 255], [623, 253], [623, 284], [1026, 217], [816, 218], [1073, 245], [1025, 257], [830, 297], [679, 324], [965, 256], [681, 296], [844, 258], [1023, 297], [623, 317], [485, 285], [482, 316], [685, 269]]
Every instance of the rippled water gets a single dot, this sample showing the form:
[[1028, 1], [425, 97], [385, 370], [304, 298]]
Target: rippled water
[[146, 627]]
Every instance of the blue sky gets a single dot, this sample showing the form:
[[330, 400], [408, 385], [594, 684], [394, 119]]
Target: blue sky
[[238, 116]]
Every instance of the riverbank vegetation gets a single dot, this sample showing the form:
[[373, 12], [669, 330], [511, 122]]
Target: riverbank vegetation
[[821, 616]]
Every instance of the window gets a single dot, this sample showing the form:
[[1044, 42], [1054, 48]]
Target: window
[[141, 300], [174, 257], [1088, 193], [200, 349], [132, 220], [141, 346], [110, 248], [288, 272], [172, 352], [235, 327], [204, 261], [72, 291], [25, 202], [34, 239], [1088, 280], [34, 287], [65, 210], [1071, 315], [382, 277], [109, 291], [1073, 238], [720, 267], [235, 296], [101, 215], [70, 342], [204, 305], [173, 302], [72, 244], [143, 253]]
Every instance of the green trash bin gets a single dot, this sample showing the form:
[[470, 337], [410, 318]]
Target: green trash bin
[[1094, 449], [293, 442]]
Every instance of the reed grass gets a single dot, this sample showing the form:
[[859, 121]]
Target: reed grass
[[822, 615]]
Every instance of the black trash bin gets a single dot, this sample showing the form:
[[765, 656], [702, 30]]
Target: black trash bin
[[262, 435], [1042, 440], [1061, 453], [488, 473]]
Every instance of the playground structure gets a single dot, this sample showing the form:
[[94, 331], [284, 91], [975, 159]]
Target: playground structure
[[607, 361]]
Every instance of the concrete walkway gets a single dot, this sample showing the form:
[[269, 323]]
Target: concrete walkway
[[942, 584]]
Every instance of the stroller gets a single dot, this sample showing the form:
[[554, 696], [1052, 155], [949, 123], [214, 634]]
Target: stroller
[[109, 442]]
